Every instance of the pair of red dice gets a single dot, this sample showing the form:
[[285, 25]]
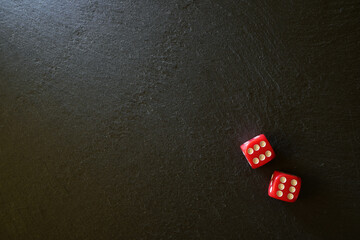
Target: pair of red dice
[[283, 186]]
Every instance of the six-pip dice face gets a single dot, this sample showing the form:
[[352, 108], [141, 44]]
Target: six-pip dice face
[[285, 187], [258, 151]]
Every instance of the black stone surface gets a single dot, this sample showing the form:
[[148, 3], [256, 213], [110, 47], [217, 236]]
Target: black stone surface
[[123, 119]]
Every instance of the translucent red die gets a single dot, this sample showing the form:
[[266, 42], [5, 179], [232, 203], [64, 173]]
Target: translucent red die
[[285, 187], [258, 151]]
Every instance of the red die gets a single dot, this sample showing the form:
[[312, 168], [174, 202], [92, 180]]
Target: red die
[[258, 151], [285, 187]]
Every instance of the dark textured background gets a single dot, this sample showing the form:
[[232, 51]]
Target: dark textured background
[[123, 119]]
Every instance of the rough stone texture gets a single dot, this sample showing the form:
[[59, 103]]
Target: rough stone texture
[[123, 119]]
